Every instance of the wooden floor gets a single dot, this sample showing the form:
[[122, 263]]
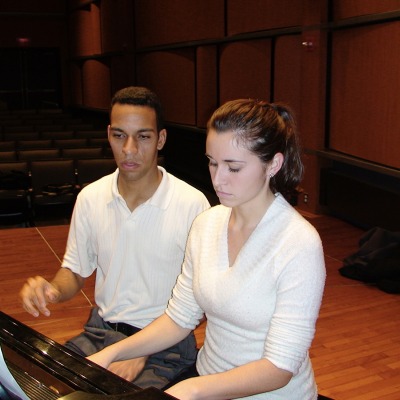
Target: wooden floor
[[356, 351]]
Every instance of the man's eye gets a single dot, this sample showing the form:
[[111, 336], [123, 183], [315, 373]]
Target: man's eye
[[144, 137], [117, 135]]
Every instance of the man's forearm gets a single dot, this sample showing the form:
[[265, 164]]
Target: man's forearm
[[67, 283]]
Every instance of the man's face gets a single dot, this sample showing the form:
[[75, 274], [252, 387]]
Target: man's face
[[134, 140]]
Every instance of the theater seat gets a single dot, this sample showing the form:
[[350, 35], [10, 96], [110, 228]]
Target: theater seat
[[14, 196], [89, 170], [53, 188]]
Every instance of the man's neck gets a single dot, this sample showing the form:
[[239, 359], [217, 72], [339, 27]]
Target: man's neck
[[137, 192]]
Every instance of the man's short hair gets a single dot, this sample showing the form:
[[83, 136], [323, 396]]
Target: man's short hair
[[140, 96]]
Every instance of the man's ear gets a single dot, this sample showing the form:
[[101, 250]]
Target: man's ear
[[162, 138]]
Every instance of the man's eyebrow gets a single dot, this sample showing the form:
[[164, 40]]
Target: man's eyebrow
[[114, 128]]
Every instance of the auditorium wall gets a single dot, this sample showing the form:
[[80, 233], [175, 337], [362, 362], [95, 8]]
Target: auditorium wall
[[334, 62]]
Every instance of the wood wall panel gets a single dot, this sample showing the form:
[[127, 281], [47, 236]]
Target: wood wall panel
[[287, 75], [116, 25], [365, 90], [245, 70], [96, 84], [172, 76], [353, 8], [206, 83], [258, 15], [76, 84], [122, 72], [176, 21], [85, 36]]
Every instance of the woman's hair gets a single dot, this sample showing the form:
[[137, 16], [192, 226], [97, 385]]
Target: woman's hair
[[265, 129], [140, 96]]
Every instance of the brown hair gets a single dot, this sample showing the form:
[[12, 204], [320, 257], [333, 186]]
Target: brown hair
[[265, 129]]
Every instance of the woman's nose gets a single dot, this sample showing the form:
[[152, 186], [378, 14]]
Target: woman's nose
[[218, 177]]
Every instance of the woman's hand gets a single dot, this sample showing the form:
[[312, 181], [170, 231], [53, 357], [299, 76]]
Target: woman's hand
[[101, 358], [184, 390]]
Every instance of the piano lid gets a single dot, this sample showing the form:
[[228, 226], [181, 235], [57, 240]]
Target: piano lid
[[49, 370]]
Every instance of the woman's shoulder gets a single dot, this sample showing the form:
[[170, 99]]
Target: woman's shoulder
[[294, 223]]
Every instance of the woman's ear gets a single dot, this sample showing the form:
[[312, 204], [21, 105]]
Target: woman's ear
[[276, 164]]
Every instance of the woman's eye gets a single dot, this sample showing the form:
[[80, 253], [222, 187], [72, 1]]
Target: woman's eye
[[212, 164], [234, 169]]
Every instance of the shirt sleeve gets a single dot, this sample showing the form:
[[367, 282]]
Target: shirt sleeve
[[79, 256], [300, 285]]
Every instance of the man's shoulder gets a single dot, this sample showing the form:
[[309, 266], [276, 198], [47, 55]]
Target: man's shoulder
[[97, 187]]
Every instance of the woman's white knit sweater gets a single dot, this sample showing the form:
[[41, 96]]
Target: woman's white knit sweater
[[264, 305]]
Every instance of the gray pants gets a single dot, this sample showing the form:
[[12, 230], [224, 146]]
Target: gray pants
[[160, 368]]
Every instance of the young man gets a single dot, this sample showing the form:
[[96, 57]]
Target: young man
[[131, 228]]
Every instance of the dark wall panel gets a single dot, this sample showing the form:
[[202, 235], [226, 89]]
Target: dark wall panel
[[41, 31], [76, 84], [116, 25], [353, 8], [96, 84], [206, 83], [29, 6], [287, 76], [172, 76], [122, 72], [258, 15], [175, 21], [365, 90], [84, 31], [245, 70]]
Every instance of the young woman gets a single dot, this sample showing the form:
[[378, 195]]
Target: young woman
[[253, 266]]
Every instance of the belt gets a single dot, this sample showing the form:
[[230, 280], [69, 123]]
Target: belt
[[126, 329]]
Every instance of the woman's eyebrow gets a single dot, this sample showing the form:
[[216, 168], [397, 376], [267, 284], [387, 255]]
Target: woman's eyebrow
[[228, 160]]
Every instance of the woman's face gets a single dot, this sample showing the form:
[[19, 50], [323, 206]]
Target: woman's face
[[238, 176]]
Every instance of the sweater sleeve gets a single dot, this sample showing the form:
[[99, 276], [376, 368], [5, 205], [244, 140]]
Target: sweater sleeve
[[183, 307], [300, 277]]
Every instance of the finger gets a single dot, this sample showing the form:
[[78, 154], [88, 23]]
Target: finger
[[38, 295], [33, 296], [27, 303], [51, 294]]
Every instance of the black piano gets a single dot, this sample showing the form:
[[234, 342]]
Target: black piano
[[45, 370]]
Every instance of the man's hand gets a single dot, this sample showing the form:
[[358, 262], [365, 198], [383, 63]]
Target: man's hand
[[36, 294], [128, 369]]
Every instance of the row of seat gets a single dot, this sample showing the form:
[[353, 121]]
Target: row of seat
[[32, 120], [52, 132], [32, 189], [32, 112], [55, 153], [59, 143]]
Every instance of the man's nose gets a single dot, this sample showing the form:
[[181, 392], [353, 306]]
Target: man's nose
[[130, 145]]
